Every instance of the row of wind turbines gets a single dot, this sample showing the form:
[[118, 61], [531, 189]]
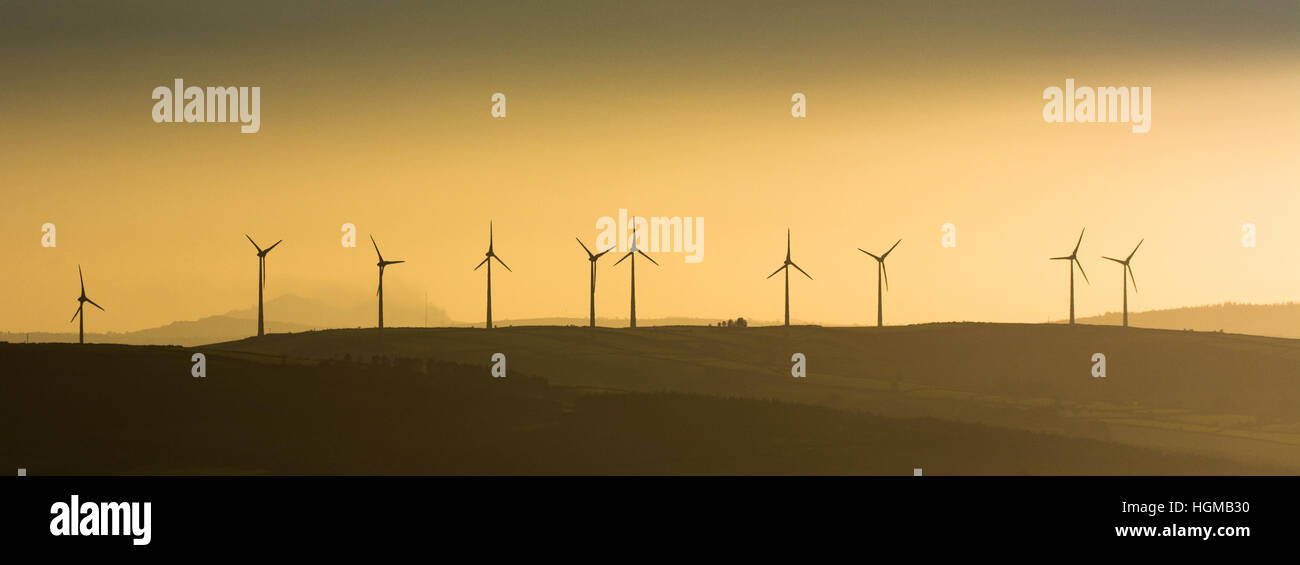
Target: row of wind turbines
[[488, 258], [882, 278], [881, 274], [1126, 270]]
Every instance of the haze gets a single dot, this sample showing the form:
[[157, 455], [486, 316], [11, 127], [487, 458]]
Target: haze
[[917, 116]]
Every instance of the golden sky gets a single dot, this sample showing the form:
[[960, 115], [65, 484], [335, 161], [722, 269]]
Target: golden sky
[[917, 116]]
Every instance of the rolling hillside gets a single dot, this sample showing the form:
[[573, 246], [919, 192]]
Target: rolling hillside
[[1209, 393], [1277, 320], [106, 409]]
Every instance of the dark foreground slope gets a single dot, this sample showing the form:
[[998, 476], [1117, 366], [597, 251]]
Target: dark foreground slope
[[1217, 394], [101, 409]]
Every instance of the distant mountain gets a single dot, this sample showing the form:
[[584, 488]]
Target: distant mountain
[[287, 313], [211, 329], [1277, 320], [602, 322], [317, 314], [292, 313]]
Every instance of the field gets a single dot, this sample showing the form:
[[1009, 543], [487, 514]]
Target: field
[[950, 398]]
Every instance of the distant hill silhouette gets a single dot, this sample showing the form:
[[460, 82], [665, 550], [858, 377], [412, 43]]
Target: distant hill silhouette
[[1214, 394], [286, 313], [1277, 320], [112, 409], [193, 332], [292, 313], [602, 322], [312, 313]]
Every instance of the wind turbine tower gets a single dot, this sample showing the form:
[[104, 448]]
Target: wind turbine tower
[[881, 273], [592, 258], [786, 267], [382, 265], [1073, 259], [81, 304], [632, 252], [1127, 272], [261, 281], [487, 259]]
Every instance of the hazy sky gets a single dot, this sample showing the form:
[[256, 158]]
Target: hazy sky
[[919, 114]]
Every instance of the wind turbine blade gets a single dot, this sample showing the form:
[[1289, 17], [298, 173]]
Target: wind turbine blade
[[503, 263], [801, 270], [873, 255], [1113, 259], [648, 257], [372, 242], [601, 254], [394, 262], [629, 254], [1135, 250], [891, 250], [787, 244], [1085, 275], [584, 248], [489, 236], [1132, 277], [1078, 243], [885, 271], [255, 246], [82, 279], [92, 302], [1061, 258], [485, 260], [268, 249], [775, 272], [75, 314]]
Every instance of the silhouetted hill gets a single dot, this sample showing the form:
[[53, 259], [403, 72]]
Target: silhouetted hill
[[1222, 394], [600, 321], [317, 314], [1278, 320], [194, 332], [291, 313], [287, 313], [107, 409]]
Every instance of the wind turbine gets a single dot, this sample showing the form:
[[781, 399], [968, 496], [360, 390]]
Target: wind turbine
[[382, 263], [1073, 258], [261, 280], [81, 303], [487, 258], [592, 258], [881, 272], [632, 252], [786, 267], [1127, 272]]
